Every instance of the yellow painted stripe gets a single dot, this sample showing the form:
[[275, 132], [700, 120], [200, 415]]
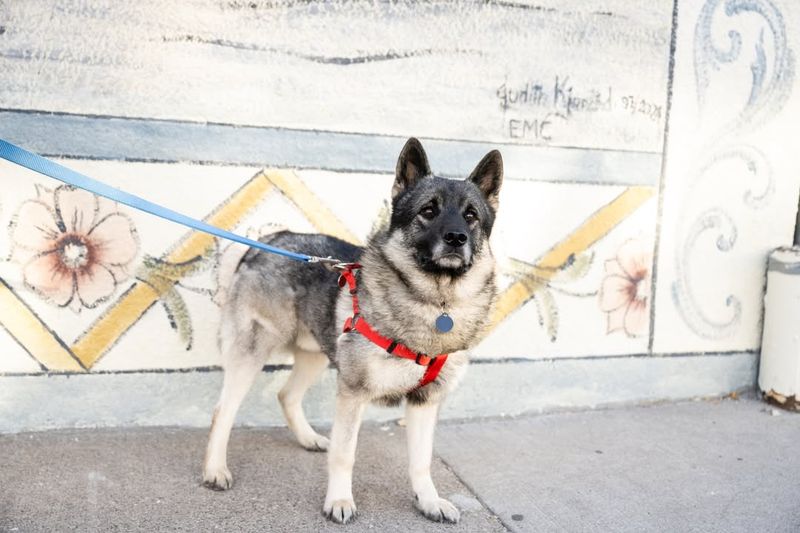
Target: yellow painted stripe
[[33, 335], [129, 308], [312, 207], [593, 229]]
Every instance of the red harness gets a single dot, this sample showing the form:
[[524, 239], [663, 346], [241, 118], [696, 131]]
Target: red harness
[[357, 323]]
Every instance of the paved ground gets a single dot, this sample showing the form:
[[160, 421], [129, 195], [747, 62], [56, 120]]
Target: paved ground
[[698, 466]]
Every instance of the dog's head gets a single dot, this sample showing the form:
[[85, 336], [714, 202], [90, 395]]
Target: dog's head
[[444, 222]]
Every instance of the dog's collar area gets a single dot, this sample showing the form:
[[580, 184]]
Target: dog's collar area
[[357, 323]]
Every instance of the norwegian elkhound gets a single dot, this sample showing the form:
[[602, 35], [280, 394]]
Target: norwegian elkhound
[[426, 281]]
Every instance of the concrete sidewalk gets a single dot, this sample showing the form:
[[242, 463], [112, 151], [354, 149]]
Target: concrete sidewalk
[[724, 465]]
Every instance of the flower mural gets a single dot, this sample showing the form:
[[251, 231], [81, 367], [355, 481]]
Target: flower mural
[[74, 247], [625, 291]]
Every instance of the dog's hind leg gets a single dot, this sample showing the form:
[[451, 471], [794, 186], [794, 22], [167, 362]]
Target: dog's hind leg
[[241, 368], [306, 370], [420, 426]]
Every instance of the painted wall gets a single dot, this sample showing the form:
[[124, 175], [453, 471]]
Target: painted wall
[[646, 147]]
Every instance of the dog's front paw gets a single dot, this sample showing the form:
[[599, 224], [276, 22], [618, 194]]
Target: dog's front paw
[[340, 511], [438, 510], [217, 478], [314, 442]]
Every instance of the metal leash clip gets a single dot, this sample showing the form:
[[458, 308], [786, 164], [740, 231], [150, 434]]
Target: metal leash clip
[[331, 263]]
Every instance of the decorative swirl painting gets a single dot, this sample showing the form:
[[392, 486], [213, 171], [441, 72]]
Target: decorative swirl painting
[[742, 44]]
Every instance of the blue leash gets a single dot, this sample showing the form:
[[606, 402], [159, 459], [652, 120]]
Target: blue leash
[[29, 160]]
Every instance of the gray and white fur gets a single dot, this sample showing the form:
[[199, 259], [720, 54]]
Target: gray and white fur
[[432, 257]]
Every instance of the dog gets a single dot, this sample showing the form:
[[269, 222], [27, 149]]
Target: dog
[[426, 282]]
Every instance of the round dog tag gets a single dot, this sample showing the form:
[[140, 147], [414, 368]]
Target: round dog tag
[[444, 323]]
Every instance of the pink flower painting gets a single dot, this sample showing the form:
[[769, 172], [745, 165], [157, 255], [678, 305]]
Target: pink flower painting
[[74, 247], [625, 291]]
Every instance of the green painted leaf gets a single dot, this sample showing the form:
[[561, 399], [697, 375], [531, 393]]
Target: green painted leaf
[[382, 220], [548, 313], [178, 315], [175, 271], [577, 267]]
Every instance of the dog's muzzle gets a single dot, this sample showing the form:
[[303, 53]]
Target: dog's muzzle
[[452, 257]]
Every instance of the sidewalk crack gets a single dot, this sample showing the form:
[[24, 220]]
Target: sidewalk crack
[[474, 493]]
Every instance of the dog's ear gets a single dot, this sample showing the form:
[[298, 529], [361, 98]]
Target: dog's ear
[[412, 166], [488, 176]]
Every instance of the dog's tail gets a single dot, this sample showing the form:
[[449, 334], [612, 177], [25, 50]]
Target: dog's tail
[[232, 255]]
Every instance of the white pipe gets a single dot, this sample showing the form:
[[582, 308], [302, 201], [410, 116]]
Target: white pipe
[[779, 373]]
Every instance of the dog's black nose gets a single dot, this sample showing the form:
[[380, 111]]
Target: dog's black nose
[[455, 238]]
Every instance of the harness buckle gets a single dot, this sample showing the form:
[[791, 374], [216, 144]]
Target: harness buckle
[[350, 323], [426, 358]]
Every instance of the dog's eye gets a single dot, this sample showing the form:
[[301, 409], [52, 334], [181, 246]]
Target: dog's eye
[[470, 216], [428, 212]]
